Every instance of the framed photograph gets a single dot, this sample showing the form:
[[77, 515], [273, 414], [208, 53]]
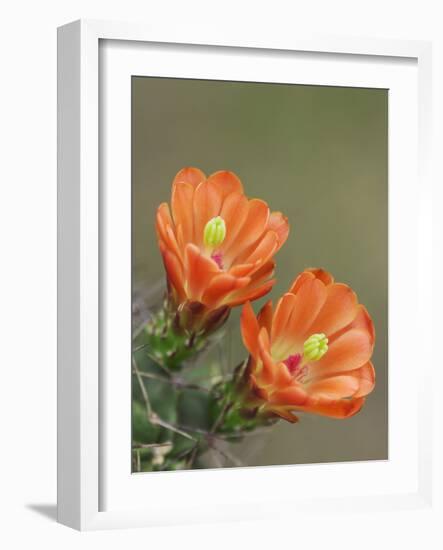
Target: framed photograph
[[244, 232]]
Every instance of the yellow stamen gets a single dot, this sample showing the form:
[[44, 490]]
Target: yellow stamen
[[215, 232], [315, 347]]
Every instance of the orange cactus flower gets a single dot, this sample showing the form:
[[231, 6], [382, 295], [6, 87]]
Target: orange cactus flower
[[217, 245], [312, 354]]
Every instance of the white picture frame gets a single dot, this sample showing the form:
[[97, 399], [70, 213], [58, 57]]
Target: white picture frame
[[82, 434]]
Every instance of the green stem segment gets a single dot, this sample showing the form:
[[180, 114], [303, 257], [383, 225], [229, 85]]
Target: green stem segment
[[180, 413], [236, 407], [174, 335]]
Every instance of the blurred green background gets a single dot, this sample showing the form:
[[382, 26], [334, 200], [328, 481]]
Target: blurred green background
[[319, 154]]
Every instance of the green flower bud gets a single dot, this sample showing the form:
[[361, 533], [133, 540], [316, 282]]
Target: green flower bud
[[215, 232], [315, 347]]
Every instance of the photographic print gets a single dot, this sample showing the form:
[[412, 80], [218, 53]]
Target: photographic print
[[259, 274]]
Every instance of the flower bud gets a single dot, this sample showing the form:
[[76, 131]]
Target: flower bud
[[315, 347], [215, 232]]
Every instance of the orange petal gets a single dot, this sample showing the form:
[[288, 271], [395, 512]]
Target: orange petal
[[274, 376], [265, 249], [251, 231], [221, 286], [234, 212], [334, 387], [338, 310], [281, 317], [293, 395], [279, 224], [171, 242], [266, 375], [163, 220], [182, 204], [282, 377], [199, 271], [334, 408], [264, 316], [263, 272], [226, 182], [300, 280], [190, 175], [321, 274], [180, 238], [285, 414], [259, 286], [350, 351], [364, 322], [207, 204], [366, 379], [165, 231], [263, 340], [174, 272], [310, 298], [248, 293], [240, 270], [249, 329]]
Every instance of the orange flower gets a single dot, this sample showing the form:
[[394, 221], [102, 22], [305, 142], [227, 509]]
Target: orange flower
[[313, 353], [217, 246]]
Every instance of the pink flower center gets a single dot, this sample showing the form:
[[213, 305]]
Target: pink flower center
[[218, 259], [293, 362]]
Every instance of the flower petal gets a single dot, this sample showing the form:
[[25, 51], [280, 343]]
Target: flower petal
[[263, 272], [334, 387], [181, 203], [226, 182], [266, 375], [264, 316], [282, 376], [174, 271], [338, 310], [240, 270], [252, 229], [259, 286], [350, 351], [207, 204], [273, 376], [171, 242], [300, 280], [221, 286], [293, 395], [363, 321], [248, 293], [190, 175], [309, 300], [249, 329], [234, 211], [266, 247], [281, 317], [321, 274], [279, 224], [163, 220], [199, 271], [286, 414], [366, 379], [334, 408]]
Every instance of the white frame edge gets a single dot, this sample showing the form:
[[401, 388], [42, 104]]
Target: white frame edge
[[78, 253], [68, 280]]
